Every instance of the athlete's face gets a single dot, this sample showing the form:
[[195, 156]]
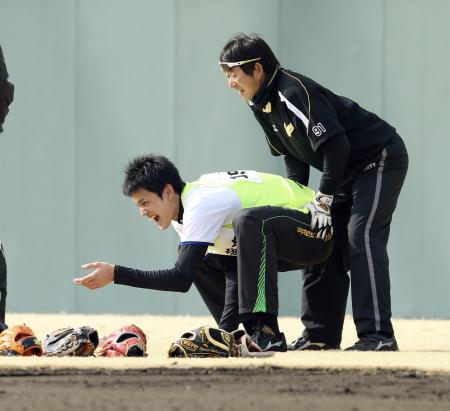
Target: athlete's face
[[246, 85], [161, 210]]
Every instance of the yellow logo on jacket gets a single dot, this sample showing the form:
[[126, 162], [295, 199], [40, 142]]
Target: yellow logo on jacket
[[267, 108], [289, 129]]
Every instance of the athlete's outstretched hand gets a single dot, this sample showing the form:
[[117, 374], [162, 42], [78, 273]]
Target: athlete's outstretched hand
[[102, 275], [320, 209]]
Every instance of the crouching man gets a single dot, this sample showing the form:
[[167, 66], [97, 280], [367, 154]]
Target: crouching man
[[237, 230]]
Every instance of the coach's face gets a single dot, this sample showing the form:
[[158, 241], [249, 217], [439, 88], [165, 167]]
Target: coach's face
[[161, 210], [247, 85]]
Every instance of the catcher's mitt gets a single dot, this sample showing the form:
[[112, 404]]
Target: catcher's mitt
[[19, 340], [208, 342], [81, 342], [128, 341]]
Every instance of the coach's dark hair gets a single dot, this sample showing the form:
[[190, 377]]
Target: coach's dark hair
[[245, 47], [151, 172]]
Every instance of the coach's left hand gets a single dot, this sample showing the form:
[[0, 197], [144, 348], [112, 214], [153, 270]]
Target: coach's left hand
[[102, 275]]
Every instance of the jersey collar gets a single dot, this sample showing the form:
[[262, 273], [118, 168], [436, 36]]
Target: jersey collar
[[260, 100]]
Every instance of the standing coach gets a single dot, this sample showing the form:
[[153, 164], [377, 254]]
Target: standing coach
[[363, 163], [6, 98]]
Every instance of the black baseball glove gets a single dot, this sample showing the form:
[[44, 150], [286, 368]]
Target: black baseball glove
[[208, 342], [80, 341]]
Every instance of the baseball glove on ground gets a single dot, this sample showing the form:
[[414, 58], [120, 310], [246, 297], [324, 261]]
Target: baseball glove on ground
[[208, 342], [244, 346], [129, 341], [203, 342], [19, 340], [80, 342]]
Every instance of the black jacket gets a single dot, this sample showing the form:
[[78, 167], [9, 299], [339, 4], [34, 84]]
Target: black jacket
[[312, 126], [6, 90]]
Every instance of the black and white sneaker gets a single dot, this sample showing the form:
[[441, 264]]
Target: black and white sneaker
[[303, 344], [268, 340], [374, 342]]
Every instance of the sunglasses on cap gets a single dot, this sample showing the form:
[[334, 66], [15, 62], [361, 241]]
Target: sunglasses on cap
[[227, 66]]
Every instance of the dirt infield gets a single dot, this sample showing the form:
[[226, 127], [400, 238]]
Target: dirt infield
[[416, 378], [221, 389]]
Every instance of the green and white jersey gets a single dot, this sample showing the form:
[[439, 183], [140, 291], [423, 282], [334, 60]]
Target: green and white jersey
[[211, 203]]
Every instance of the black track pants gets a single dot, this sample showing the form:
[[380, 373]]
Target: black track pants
[[216, 281], [361, 215], [271, 239], [2, 285]]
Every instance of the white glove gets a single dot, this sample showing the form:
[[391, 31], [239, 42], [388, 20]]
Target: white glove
[[320, 209]]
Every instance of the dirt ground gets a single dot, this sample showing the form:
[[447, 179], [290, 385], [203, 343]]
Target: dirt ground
[[417, 378], [222, 389]]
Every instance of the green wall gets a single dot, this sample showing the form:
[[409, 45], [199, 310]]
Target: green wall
[[99, 81]]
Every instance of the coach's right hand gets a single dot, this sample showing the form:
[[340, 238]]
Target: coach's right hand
[[320, 209], [102, 275]]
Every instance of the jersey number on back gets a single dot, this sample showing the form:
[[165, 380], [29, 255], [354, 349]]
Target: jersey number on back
[[248, 175]]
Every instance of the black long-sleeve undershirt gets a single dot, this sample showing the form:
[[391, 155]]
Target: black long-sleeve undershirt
[[335, 155], [335, 151], [296, 169], [179, 278]]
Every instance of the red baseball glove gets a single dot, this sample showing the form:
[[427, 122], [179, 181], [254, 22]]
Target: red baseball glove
[[128, 341]]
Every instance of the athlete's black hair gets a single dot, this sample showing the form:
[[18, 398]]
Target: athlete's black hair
[[245, 47], [151, 172]]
